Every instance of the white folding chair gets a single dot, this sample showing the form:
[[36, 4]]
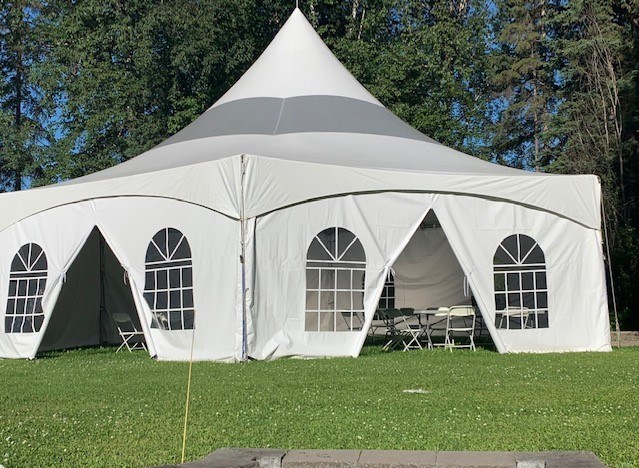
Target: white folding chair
[[132, 338], [411, 331], [392, 318], [514, 312], [461, 320]]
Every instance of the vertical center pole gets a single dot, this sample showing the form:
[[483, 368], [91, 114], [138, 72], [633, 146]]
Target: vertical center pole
[[102, 310], [243, 257]]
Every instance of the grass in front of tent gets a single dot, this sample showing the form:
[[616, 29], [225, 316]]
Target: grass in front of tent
[[98, 408]]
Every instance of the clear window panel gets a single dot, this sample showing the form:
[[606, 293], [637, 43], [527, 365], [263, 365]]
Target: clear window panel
[[344, 321], [358, 279], [344, 300], [175, 299], [327, 321], [513, 281], [149, 280], [188, 319], [327, 300], [343, 279], [17, 324], [162, 279], [162, 300], [542, 319], [542, 300], [529, 300], [312, 278], [187, 298], [312, 300], [27, 324], [514, 300], [175, 320], [327, 279], [187, 277], [358, 320], [22, 287], [174, 278], [527, 281], [358, 300], [540, 279], [312, 321]]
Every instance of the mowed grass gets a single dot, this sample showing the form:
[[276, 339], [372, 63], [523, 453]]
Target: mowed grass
[[98, 408]]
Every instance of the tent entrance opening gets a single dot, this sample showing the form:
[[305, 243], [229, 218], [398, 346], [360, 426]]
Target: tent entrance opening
[[95, 288]]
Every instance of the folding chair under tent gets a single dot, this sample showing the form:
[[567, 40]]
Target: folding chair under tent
[[268, 228]]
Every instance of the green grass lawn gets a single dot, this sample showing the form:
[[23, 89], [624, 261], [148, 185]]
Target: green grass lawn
[[98, 408]]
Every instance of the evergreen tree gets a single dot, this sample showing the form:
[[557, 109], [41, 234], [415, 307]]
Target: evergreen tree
[[22, 133], [597, 125], [524, 81], [127, 74]]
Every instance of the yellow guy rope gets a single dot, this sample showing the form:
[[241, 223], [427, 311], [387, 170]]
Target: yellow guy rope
[[188, 393]]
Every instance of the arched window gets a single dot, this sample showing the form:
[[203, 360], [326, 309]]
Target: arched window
[[27, 281], [168, 286], [387, 299], [521, 291], [335, 266]]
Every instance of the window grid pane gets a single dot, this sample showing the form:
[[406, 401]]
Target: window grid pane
[[27, 282], [333, 295], [168, 288], [387, 299], [520, 288]]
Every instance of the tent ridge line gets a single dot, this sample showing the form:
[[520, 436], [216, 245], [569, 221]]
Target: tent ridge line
[[89, 199], [443, 192]]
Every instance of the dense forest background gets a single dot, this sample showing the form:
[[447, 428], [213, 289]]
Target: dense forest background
[[543, 85]]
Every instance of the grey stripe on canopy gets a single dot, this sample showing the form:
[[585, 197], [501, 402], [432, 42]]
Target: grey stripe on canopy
[[276, 116]]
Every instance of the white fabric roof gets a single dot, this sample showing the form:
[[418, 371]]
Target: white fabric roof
[[306, 119]]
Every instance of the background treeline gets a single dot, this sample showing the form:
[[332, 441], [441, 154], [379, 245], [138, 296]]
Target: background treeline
[[545, 85]]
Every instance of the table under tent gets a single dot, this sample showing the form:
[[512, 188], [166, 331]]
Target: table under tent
[[269, 227]]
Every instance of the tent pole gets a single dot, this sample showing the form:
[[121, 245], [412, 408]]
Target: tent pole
[[243, 256], [102, 310], [612, 284]]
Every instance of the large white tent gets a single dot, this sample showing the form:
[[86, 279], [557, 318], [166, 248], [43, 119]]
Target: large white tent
[[272, 225]]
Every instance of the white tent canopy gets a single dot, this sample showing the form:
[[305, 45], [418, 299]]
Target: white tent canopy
[[233, 230]]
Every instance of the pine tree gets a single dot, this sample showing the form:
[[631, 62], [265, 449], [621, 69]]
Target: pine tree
[[22, 128], [127, 74], [595, 121], [524, 81]]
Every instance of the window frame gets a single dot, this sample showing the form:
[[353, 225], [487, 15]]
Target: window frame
[[351, 291], [168, 282], [520, 285], [387, 298], [34, 272]]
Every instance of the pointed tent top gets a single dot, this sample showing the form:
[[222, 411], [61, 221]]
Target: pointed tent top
[[297, 63]]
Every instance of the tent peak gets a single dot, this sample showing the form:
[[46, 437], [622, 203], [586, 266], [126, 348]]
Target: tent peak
[[297, 63]]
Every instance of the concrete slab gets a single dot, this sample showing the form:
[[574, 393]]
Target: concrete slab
[[475, 459], [321, 459], [240, 458], [397, 459], [563, 459], [274, 458], [628, 338]]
